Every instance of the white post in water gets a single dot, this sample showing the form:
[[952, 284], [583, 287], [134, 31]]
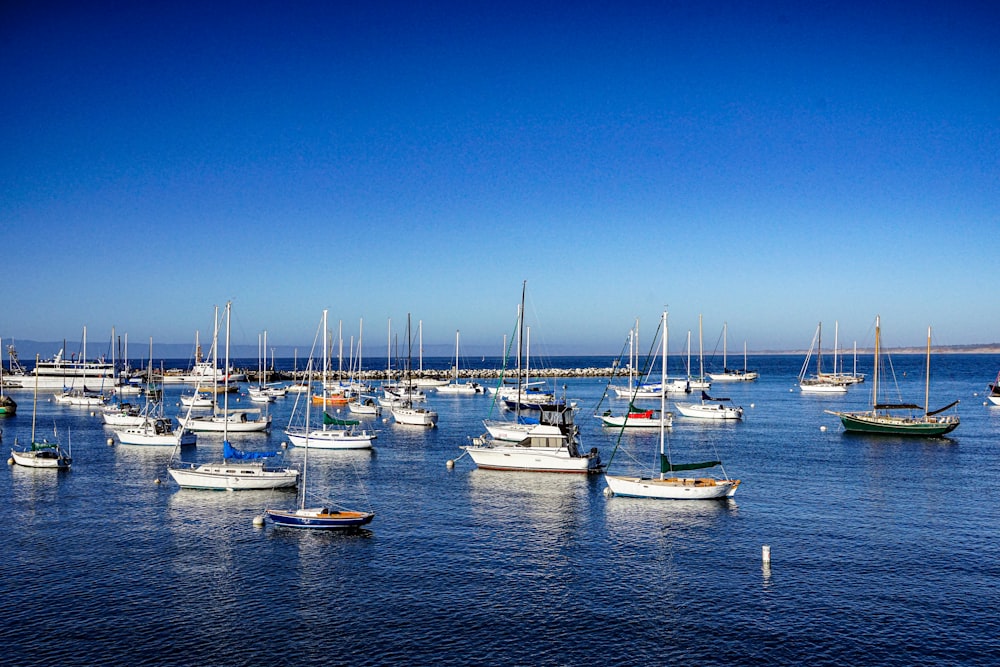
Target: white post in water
[[765, 554]]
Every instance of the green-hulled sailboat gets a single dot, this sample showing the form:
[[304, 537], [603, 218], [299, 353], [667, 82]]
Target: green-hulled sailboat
[[888, 418]]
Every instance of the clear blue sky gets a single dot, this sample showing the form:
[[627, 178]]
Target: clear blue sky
[[766, 164]]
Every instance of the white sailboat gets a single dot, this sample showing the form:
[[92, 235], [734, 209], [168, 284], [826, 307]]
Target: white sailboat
[[155, 429], [459, 388], [237, 421], [710, 408], [82, 396], [820, 383], [261, 393], [672, 487], [636, 417], [42, 454], [404, 412], [333, 433], [238, 470], [732, 374]]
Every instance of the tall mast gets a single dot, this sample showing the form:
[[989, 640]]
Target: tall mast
[[701, 359], [878, 334], [927, 381], [225, 416], [325, 359], [663, 391], [836, 344]]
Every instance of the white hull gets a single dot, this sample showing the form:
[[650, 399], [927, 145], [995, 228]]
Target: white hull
[[364, 408], [460, 388], [119, 419], [509, 431], [234, 477], [80, 400], [673, 488], [633, 421], [331, 439], [197, 401], [822, 388], [995, 400], [149, 435], [414, 416], [40, 459], [236, 422], [708, 411], [734, 376], [510, 456]]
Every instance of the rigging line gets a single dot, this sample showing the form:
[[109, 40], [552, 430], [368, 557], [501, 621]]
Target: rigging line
[[614, 374], [503, 368], [650, 356]]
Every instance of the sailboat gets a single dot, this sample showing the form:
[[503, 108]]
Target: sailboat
[[155, 429], [42, 454], [994, 395], [238, 469], [673, 487], [403, 411], [732, 374], [334, 433], [260, 393], [82, 396], [820, 383], [885, 418], [550, 445], [316, 518], [710, 408], [456, 387], [636, 417], [237, 421], [8, 406]]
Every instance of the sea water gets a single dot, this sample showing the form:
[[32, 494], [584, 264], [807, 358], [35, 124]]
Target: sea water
[[883, 550]]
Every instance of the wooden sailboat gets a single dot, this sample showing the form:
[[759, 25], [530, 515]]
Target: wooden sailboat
[[672, 487], [888, 418], [42, 454], [316, 518]]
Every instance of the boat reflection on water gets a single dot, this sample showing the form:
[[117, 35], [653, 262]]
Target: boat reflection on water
[[642, 514]]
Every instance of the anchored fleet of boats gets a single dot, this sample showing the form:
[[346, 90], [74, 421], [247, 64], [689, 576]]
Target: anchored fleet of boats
[[527, 428]]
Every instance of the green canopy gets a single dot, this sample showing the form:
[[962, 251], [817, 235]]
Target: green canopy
[[328, 420], [667, 466]]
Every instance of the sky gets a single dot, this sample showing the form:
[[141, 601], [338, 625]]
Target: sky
[[766, 165]]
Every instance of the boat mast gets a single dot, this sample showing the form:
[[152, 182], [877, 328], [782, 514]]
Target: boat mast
[[701, 359], [225, 400], [520, 339], [34, 405], [878, 334], [836, 343], [663, 391], [325, 359], [819, 351], [456, 356], [725, 335], [927, 379]]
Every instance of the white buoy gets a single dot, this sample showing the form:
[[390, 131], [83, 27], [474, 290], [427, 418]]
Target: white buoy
[[157, 481], [608, 492], [791, 390], [822, 428], [111, 441], [985, 403], [765, 554], [385, 420], [450, 464], [258, 521], [92, 413], [753, 405], [10, 461], [284, 445]]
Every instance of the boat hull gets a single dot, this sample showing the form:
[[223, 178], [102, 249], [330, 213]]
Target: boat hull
[[414, 416], [331, 439], [672, 488], [532, 459], [637, 421], [878, 424], [706, 411], [234, 424], [234, 477], [319, 519], [46, 457], [822, 388]]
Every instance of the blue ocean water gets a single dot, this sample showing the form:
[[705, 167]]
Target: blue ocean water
[[883, 549]]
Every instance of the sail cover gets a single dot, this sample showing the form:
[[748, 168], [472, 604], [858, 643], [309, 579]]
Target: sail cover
[[667, 466], [230, 452], [327, 419]]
